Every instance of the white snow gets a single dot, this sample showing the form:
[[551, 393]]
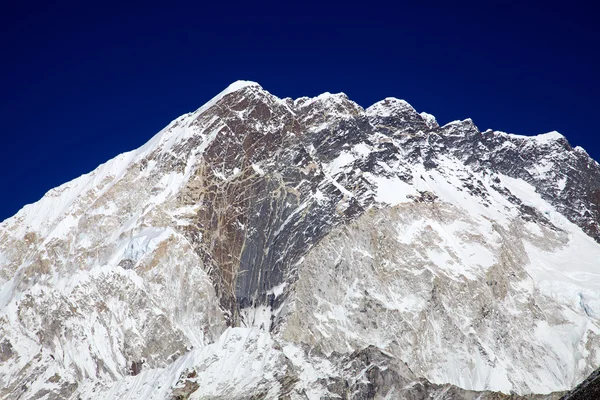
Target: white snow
[[362, 150], [561, 183], [337, 165], [277, 290], [234, 87], [258, 169], [392, 191], [548, 137], [345, 158], [241, 361], [320, 197], [543, 138], [429, 119], [323, 97]]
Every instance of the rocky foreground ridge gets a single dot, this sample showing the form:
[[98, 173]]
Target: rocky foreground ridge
[[276, 248], [589, 389]]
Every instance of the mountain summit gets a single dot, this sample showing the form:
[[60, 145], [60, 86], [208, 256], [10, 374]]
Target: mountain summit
[[275, 248]]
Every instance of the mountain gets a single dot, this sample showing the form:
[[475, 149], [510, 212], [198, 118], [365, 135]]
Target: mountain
[[261, 247]]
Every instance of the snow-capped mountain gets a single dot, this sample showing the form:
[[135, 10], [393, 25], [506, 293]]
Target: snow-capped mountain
[[274, 248]]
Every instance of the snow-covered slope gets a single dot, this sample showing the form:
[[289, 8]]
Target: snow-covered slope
[[308, 248]]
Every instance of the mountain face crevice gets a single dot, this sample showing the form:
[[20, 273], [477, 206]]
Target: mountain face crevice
[[275, 248]]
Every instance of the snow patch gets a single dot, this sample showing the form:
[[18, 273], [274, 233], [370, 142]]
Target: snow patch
[[392, 191]]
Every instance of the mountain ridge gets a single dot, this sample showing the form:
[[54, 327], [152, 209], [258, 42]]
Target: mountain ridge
[[229, 219], [241, 84]]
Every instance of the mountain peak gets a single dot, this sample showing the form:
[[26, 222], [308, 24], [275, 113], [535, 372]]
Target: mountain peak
[[238, 85], [234, 87], [459, 127], [390, 106]]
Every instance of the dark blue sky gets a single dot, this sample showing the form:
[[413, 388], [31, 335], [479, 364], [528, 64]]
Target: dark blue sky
[[81, 83]]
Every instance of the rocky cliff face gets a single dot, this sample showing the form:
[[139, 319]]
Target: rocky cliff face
[[589, 389], [263, 247]]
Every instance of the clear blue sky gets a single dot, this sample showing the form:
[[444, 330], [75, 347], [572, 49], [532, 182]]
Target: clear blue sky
[[81, 83]]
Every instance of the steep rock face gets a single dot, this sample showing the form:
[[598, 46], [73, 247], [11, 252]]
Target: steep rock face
[[312, 249], [589, 389]]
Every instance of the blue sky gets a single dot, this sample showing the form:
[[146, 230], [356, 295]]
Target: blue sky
[[83, 82]]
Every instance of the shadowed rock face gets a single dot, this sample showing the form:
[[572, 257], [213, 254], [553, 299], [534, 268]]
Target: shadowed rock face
[[263, 247], [263, 217], [589, 389]]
